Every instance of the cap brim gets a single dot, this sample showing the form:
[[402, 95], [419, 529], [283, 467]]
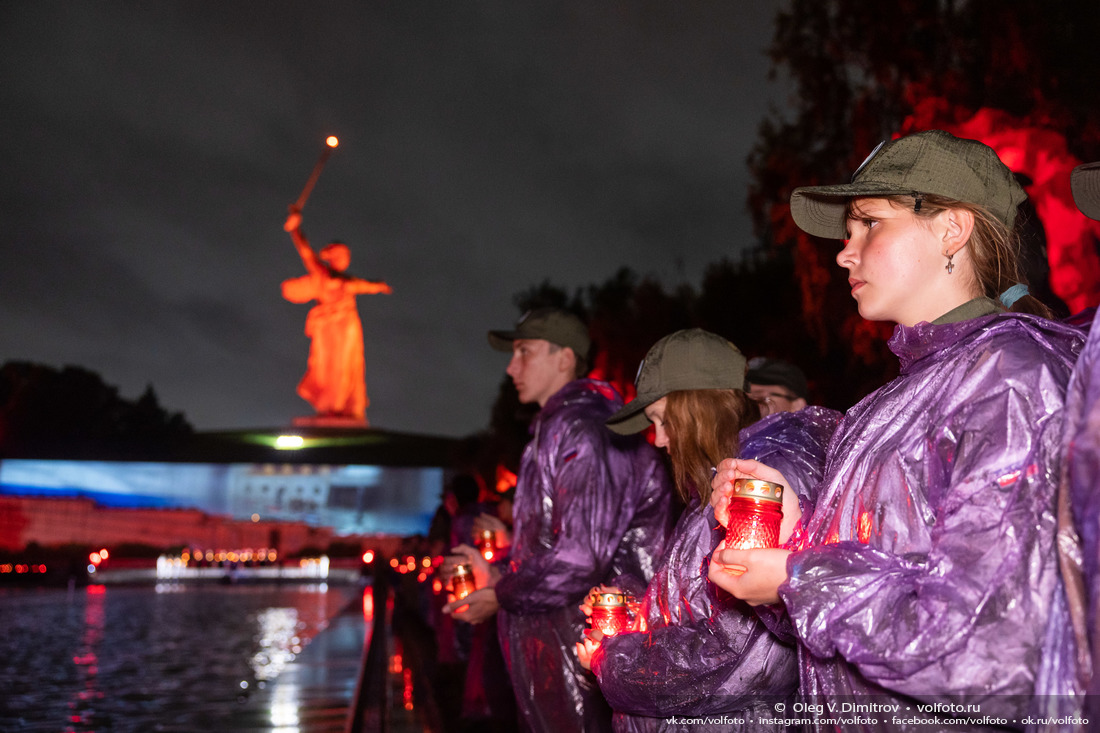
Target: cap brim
[[502, 340], [631, 418], [1085, 182], [822, 210]]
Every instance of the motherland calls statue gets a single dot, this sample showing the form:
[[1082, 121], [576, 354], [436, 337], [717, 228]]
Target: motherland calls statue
[[335, 379]]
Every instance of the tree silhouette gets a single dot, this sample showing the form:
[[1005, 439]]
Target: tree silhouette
[[44, 409]]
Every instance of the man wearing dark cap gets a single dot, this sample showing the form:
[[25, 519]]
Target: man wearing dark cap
[[591, 508], [776, 385], [1085, 182]]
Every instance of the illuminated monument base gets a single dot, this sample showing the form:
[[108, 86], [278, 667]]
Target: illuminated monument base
[[331, 421]]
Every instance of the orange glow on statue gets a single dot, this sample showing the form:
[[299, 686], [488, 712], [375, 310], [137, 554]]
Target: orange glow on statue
[[335, 379]]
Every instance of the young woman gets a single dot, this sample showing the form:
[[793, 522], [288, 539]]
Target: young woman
[[700, 654], [928, 573]]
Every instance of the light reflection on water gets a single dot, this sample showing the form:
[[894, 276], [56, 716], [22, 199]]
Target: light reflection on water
[[278, 641], [171, 657], [284, 709]]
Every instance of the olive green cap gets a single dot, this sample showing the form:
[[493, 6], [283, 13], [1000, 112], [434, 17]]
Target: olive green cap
[[933, 162], [690, 359], [549, 324], [1085, 181]]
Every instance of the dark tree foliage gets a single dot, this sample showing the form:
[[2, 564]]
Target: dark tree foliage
[[859, 68], [43, 408]]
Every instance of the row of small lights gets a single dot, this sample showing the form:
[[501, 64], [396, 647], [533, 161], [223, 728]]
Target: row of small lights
[[22, 568], [263, 555], [97, 558], [245, 556]]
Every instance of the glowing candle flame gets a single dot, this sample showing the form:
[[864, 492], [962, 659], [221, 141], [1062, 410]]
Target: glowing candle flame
[[331, 141]]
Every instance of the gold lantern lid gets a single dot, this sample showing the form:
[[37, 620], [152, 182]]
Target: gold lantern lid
[[601, 598], [751, 488]]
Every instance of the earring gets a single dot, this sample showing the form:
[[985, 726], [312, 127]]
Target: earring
[[950, 265]]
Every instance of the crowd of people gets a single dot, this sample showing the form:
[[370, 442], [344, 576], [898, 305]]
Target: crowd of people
[[938, 561]]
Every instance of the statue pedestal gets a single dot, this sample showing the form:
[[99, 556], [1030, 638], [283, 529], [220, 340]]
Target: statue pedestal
[[330, 421]]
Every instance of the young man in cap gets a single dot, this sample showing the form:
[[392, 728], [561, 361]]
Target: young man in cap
[[776, 385], [591, 508]]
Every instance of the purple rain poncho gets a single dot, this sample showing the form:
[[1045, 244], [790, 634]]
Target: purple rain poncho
[[1081, 479], [704, 652], [930, 575], [591, 507]]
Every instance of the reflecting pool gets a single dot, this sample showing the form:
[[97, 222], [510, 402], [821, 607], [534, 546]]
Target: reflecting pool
[[160, 658]]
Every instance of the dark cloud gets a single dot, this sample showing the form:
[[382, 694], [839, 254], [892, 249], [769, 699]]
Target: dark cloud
[[151, 150]]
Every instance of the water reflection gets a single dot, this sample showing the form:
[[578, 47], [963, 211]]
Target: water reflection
[[284, 709], [278, 641], [170, 657], [82, 705]]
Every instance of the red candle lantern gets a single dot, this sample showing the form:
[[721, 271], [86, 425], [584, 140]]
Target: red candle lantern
[[486, 544], [609, 612], [462, 582], [756, 511]]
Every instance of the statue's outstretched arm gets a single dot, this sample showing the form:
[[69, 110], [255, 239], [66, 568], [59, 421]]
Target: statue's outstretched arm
[[371, 287], [293, 226]]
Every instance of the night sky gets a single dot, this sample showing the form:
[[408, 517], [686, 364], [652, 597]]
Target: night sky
[[150, 151]]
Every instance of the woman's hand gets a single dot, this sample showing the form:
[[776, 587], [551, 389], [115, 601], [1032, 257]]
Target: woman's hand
[[754, 576], [734, 468], [588, 646], [721, 484], [586, 604]]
